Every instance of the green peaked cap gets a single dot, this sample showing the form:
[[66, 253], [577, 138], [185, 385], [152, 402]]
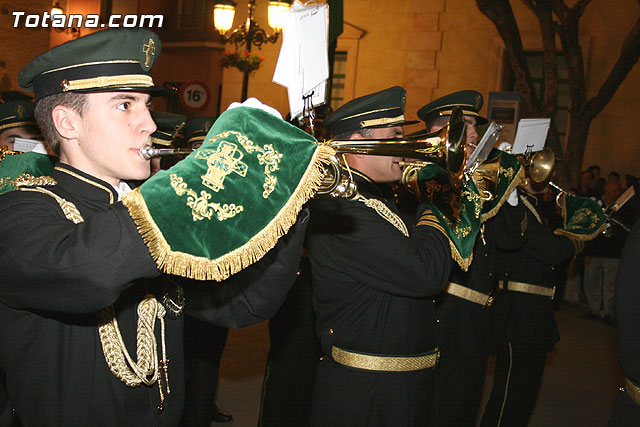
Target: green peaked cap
[[378, 109], [469, 100], [112, 59], [232, 198], [15, 114], [168, 125], [195, 130]]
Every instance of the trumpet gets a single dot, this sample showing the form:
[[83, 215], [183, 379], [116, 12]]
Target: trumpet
[[445, 147], [148, 152]]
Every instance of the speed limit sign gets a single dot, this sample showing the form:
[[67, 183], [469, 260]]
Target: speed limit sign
[[194, 95]]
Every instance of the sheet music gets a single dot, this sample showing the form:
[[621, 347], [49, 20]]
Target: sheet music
[[303, 64], [530, 135], [25, 145]]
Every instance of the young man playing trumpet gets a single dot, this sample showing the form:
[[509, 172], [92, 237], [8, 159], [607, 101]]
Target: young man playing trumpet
[[91, 332]]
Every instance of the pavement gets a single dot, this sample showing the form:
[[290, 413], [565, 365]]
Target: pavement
[[579, 388]]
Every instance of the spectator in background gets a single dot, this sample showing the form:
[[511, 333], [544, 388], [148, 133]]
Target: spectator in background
[[601, 263], [597, 181], [613, 176], [584, 186]]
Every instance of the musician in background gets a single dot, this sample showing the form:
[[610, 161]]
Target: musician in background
[[372, 277], [602, 256], [464, 307], [524, 321], [17, 121], [627, 410]]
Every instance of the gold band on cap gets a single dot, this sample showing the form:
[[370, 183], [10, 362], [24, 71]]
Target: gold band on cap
[[465, 112], [197, 138], [160, 141], [133, 80], [17, 125], [382, 121]]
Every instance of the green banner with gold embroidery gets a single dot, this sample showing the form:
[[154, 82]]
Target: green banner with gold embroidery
[[583, 217], [225, 205], [24, 169], [459, 214], [496, 178]]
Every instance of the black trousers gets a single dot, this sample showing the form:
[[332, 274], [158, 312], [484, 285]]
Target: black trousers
[[203, 346], [516, 385], [460, 380], [293, 358]]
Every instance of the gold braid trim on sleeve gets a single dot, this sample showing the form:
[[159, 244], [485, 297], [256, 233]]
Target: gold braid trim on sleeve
[[533, 210], [70, 210], [146, 369], [384, 211]]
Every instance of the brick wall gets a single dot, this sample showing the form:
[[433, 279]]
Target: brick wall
[[19, 45]]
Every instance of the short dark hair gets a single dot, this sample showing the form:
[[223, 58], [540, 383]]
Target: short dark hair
[[592, 168], [367, 133], [438, 121], [44, 109]]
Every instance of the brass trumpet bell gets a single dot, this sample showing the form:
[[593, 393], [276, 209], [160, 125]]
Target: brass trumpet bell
[[541, 165]]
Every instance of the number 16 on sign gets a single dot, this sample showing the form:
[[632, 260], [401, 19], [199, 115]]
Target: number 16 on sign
[[194, 95]]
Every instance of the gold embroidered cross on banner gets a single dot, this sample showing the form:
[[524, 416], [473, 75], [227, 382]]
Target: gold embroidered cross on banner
[[222, 162]]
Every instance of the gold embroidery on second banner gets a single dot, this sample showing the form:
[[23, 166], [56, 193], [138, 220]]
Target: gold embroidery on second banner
[[200, 206]]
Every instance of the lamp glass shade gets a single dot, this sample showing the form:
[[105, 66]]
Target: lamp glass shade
[[223, 17], [277, 10], [56, 10]]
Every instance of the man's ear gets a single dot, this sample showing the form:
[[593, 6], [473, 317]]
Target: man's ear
[[357, 135], [66, 121]]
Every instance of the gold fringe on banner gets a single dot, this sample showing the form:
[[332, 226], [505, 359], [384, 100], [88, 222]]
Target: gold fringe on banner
[[464, 263], [203, 268]]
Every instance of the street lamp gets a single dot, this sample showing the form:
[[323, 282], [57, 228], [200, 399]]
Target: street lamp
[[56, 9], [249, 33]]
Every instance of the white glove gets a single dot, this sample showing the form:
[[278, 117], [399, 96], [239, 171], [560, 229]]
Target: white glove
[[513, 198], [254, 103], [505, 146]]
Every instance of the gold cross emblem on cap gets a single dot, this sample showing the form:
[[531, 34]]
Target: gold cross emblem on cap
[[20, 111], [149, 50]]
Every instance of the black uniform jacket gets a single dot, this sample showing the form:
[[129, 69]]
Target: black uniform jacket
[[522, 317], [370, 281], [464, 327], [57, 274], [628, 306]]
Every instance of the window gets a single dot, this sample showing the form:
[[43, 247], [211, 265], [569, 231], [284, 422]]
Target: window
[[535, 60], [191, 13], [338, 80]]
